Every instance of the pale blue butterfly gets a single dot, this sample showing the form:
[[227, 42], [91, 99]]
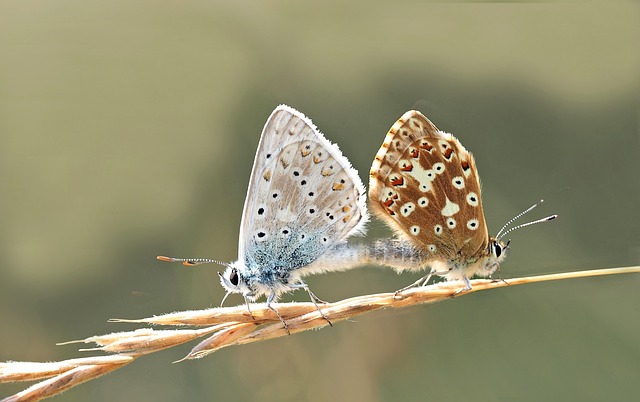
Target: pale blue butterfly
[[304, 200]]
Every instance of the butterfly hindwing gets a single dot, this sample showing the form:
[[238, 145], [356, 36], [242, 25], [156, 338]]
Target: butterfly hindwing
[[303, 197], [424, 184]]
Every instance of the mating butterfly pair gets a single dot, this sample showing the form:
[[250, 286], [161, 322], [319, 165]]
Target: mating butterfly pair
[[305, 199]]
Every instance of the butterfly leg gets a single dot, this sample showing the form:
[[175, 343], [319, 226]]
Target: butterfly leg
[[314, 299], [467, 287], [499, 275], [313, 296], [246, 302], [270, 299], [420, 282]]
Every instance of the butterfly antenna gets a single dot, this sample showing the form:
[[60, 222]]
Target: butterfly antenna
[[498, 236], [548, 218], [191, 262]]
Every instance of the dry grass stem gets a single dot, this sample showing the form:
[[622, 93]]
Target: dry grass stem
[[232, 326]]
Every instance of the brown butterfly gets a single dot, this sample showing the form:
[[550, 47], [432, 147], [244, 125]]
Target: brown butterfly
[[425, 185]]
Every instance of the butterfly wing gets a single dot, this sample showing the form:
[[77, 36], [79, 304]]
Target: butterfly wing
[[303, 197], [425, 185]]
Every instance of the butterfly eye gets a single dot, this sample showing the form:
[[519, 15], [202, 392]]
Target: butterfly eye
[[233, 278], [497, 250]]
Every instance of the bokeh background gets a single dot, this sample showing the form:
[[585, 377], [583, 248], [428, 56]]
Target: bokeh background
[[128, 130]]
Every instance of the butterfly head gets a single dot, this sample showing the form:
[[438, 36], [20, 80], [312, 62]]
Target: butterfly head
[[234, 282], [496, 253]]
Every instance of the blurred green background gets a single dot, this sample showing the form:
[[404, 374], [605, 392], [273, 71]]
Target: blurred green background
[[128, 130]]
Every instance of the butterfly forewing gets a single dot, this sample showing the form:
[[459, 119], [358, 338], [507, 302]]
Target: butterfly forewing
[[304, 196], [425, 185]]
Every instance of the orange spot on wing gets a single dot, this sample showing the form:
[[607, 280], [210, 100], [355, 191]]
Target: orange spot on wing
[[398, 182], [447, 153]]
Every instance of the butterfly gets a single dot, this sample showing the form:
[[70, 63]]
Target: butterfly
[[425, 185], [304, 200]]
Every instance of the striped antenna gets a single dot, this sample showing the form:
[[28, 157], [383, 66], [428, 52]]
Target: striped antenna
[[191, 262]]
